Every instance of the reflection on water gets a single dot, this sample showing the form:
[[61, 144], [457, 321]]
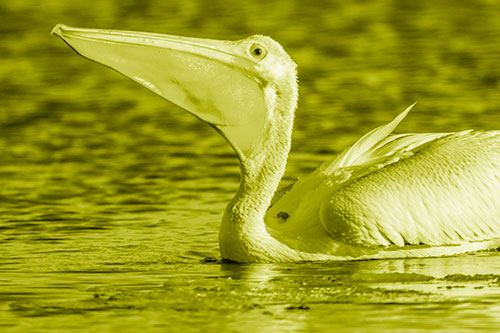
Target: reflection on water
[[378, 294], [110, 198]]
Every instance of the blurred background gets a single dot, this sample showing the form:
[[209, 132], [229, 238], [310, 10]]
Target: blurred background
[[359, 61], [64, 119], [99, 176]]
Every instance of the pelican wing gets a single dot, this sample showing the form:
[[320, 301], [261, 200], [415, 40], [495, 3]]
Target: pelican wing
[[295, 209], [430, 188], [447, 192]]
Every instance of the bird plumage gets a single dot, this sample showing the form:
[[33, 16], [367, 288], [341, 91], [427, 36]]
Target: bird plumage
[[446, 192]]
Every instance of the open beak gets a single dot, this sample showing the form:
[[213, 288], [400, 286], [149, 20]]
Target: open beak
[[214, 80]]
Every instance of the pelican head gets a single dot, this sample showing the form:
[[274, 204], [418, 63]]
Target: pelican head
[[232, 85]]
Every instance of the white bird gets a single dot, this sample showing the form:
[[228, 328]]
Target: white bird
[[386, 196]]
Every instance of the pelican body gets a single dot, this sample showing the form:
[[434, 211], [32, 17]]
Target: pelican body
[[386, 196]]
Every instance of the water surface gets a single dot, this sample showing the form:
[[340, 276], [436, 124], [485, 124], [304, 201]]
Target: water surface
[[111, 198]]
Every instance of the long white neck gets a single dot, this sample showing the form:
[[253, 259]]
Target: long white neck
[[243, 236]]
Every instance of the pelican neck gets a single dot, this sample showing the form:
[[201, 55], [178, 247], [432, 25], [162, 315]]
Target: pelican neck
[[243, 235]]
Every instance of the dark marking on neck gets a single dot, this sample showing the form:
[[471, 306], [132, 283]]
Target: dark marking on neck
[[283, 215]]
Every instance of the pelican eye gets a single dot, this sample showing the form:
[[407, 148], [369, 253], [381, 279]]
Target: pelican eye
[[257, 51]]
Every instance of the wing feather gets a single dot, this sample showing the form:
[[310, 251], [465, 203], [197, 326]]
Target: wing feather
[[366, 144]]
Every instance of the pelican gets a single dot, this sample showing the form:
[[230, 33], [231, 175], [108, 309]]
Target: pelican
[[386, 196]]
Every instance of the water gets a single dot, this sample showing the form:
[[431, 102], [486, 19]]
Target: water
[[110, 198]]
